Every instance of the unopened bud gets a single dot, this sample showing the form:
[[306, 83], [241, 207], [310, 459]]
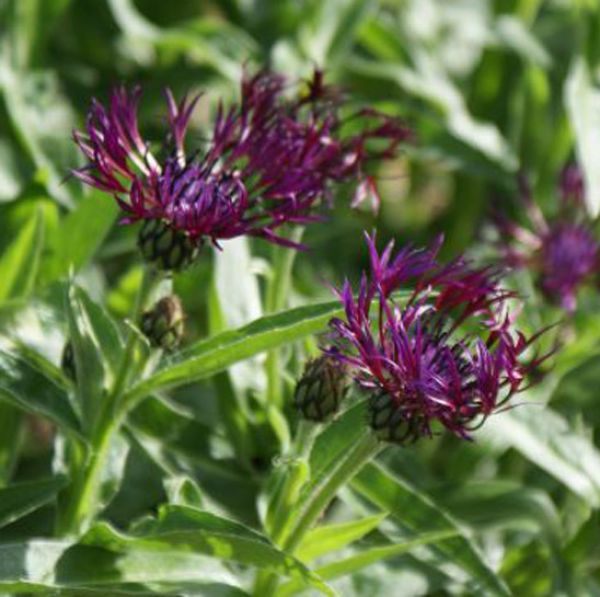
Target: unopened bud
[[164, 246], [321, 389], [392, 423], [163, 325]]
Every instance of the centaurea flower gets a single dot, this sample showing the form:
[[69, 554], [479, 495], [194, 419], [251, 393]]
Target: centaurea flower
[[445, 351], [270, 160], [561, 251]]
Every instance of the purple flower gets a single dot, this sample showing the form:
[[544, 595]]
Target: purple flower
[[446, 351], [270, 160], [562, 251]]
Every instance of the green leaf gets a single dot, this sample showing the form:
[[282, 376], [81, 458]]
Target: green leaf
[[582, 99], [24, 386], [11, 422], [41, 115], [367, 557], [506, 505], [513, 33], [206, 41], [81, 234], [335, 441], [43, 565], [185, 529], [331, 537], [234, 300], [22, 498], [327, 29], [19, 264], [183, 491], [546, 439], [97, 347], [428, 82], [415, 512], [210, 356]]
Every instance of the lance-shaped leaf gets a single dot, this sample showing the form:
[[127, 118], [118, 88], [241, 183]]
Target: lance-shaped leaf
[[27, 387], [416, 513], [208, 357], [22, 498]]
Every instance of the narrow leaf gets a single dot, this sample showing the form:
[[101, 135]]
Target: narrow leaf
[[183, 528], [545, 438], [29, 389], [19, 264], [20, 499], [82, 233], [365, 558], [416, 513], [582, 99], [331, 537], [210, 356], [97, 348]]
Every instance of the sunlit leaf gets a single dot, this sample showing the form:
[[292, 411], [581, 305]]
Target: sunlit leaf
[[582, 99], [19, 264], [210, 356]]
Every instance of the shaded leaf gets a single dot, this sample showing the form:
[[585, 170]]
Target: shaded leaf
[[415, 512], [22, 498], [26, 387]]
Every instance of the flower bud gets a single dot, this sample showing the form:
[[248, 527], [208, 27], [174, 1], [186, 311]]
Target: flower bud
[[321, 389], [163, 325], [67, 361], [164, 246], [391, 422]]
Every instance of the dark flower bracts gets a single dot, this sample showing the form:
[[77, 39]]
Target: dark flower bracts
[[269, 161], [562, 252], [429, 343]]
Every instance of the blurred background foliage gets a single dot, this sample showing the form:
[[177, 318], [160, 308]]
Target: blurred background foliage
[[490, 87]]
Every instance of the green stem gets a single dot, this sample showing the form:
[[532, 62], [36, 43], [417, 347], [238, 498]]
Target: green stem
[[344, 470], [82, 499], [149, 281], [295, 477], [278, 291]]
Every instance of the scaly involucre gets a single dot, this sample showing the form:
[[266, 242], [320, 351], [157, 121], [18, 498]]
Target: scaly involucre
[[270, 160], [445, 351]]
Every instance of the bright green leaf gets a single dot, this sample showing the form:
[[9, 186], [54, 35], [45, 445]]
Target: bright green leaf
[[19, 264], [352, 564], [208, 357], [582, 99], [331, 537]]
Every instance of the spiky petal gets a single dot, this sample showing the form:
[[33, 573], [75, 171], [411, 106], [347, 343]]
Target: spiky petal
[[271, 159], [562, 252], [447, 352]]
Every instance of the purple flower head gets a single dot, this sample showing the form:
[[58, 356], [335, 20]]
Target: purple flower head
[[269, 161], [445, 351], [562, 251]]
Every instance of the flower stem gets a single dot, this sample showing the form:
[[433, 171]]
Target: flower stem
[[366, 448], [82, 499], [295, 476], [292, 534], [278, 291]]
